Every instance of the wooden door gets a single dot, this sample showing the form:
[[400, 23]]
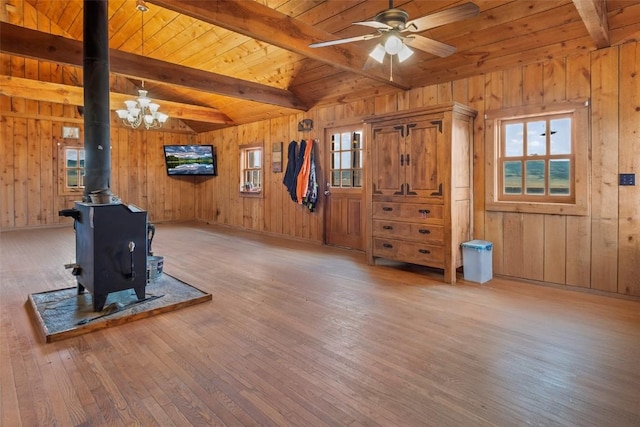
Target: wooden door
[[344, 208], [386, 166], [422, 151]]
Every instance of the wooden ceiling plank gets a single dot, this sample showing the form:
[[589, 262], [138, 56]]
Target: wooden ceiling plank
[[184, 44], [73, 95], [512, 56], [548, 27], [125, 26], [594, 16], [270, 26], [35, 44]]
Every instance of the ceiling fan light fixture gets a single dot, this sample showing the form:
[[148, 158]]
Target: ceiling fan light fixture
[[393, 44], [404, 53], [378, 53]]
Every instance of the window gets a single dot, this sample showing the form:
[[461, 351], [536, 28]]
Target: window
[[71, 169], [251, 169], [346, 159], [540, 158]]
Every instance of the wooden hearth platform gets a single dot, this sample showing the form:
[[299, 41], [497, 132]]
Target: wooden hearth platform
[[63, 314]]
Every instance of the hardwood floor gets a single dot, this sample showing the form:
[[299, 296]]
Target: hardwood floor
[[304, 335]]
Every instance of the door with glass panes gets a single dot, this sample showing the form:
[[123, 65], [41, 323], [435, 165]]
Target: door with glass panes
[[344, 206]]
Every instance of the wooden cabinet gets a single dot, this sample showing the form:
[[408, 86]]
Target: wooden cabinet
[[419, 186]]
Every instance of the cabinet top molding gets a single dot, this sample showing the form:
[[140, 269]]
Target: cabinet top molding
[[449, 106]]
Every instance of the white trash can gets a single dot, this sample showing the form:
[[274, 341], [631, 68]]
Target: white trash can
[[477, 261]]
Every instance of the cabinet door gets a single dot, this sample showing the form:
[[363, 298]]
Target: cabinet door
[[387, 172], [424, 147]]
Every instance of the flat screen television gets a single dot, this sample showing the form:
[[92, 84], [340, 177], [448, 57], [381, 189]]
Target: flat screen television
[[190, 160]]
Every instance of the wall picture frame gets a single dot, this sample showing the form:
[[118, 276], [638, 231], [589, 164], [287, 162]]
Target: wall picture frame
[[276, 157]]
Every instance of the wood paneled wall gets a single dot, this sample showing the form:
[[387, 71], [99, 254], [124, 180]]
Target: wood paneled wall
[[219, 199], [600, 251], [31, 131]]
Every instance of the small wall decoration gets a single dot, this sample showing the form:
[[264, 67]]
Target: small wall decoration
[[70, 132], [276, 157], [305, 125]]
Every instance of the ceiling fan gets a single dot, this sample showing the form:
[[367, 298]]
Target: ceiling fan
[[393, 23]]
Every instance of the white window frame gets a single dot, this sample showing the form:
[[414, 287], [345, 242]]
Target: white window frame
[[64, 188], [251, 175], [574, 204]]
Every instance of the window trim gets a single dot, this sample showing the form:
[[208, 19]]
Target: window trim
[[242, 158], [581, 147]]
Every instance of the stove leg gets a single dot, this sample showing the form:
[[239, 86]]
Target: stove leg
[[98, 302], [140, 292]]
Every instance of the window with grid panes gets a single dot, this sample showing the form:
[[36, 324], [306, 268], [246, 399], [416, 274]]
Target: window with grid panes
[[536, 159], [251, 169], [541, 159], [346, 159], [71, 169]]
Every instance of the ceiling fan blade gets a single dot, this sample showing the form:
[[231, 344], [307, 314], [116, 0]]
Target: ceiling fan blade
[[457, 13], [374, 24], [347, 40], [429, 45]]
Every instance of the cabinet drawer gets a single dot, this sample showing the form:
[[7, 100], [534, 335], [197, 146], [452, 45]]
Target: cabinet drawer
[[416, 253], [408, 230], [418, 212]]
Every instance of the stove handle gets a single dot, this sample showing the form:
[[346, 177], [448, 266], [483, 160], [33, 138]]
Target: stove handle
[[132, 247]]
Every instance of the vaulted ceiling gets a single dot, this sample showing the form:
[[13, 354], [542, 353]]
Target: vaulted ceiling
[[221, 62]]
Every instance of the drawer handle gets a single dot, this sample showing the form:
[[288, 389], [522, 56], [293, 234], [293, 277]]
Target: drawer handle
[[424, 251], [387, 227], [424, 211], [424, 231], [387, 245], [387, 209]]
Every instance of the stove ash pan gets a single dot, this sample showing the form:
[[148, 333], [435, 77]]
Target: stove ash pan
[[111, 249]]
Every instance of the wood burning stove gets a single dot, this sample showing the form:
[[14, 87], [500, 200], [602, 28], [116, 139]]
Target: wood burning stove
[[111, 250]]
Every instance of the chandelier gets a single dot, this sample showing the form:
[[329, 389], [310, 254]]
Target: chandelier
[[141, 111]]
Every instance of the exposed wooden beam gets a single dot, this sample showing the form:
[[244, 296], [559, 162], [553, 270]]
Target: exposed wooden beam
[[22, 41], [72, 95], [594, 16], [260, 22]]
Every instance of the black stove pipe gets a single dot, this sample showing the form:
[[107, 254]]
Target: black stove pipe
[[97, 138]]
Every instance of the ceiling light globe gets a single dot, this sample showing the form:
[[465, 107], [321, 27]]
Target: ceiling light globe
[[130, 104], [378, 53], [404, 53], [393, 45]]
